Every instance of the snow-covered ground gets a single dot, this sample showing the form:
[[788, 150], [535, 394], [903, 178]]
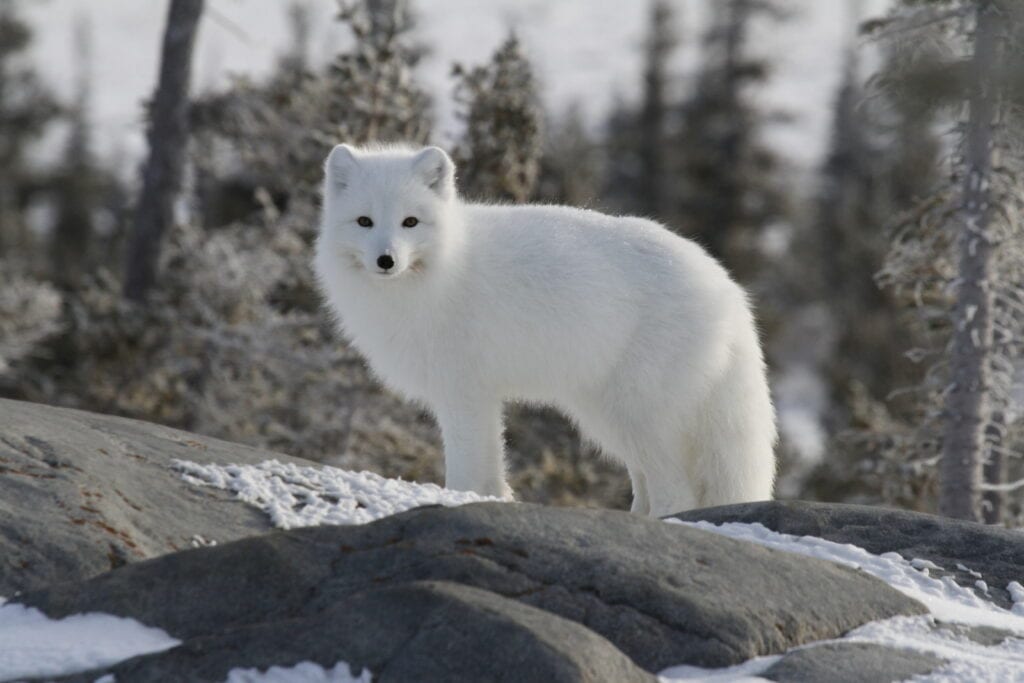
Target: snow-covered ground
[[585, 51], [293, 496], [305, 672]]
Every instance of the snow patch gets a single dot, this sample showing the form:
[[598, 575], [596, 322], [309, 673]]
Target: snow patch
[[918, 563], [295, 496], [963, 568], [1017, 595], [304, 672], [34, 646], [747, 672], [968, 661]]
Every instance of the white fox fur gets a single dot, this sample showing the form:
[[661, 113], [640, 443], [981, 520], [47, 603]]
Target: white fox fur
[[634, 332]]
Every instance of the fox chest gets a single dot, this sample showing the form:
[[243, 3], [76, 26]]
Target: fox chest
[[412, 358]]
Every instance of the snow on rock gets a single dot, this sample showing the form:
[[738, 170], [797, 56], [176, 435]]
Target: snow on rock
[[918, 563], [747, 672], [304, 672], [297, 496], [963, 568], [1017, 594], [33, 645], [945, 599], [969, 662]]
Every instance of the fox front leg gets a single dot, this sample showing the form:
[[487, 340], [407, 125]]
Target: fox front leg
[[474, 453]]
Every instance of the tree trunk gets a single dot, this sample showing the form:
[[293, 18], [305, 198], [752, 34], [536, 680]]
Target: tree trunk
[[77, 191], [168, 136], [993, 502], [968, 406]]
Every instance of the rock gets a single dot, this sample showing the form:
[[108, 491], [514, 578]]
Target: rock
[[662, 594], [480, 592], [992, 554], [851, 663], [419, 631], [82, 493], [983, 635]]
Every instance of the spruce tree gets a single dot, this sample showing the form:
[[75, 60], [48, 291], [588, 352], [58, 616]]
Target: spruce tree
[[27, 108], [644, 178], [728, 190], [271, 136], [882, 156], [870, 174], [75, 185], [662, 41], [572, 165], [499, 156], [371, 95]]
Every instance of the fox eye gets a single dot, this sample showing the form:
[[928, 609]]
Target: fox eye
[[410, 222], [364, 221]]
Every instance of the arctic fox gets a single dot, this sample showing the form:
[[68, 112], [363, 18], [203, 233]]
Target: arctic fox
[[637, 334]]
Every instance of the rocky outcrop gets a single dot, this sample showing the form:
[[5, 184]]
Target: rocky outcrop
[[850, 663], [420, 631], [82, 493], [93, 518], [964, 551], [657, 594]]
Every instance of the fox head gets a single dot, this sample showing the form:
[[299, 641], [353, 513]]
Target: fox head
[[386, 212]]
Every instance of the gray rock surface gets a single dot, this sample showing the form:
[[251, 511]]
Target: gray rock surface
[[662, 594], [421, 631], [994, 554], [482, 592], [82, 493], [982, 635], [851, 663]]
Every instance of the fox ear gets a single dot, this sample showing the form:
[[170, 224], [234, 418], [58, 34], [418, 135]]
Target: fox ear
[[436, 170], [341, 164]]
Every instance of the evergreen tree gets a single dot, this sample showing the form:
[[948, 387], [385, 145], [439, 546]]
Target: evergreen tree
[[293, 65], [75, 186], [499, 156], [27, 108], [728, 189], [662, 41], [622, 142], [371, 94], [366, 94], [871, 173], [881, 157], [572, 166], [643, 179]]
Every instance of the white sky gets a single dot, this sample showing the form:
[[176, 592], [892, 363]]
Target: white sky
[[583, 50]]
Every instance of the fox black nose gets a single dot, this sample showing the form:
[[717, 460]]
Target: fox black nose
[[385, 262]]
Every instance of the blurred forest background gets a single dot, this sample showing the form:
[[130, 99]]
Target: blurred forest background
[[886, 273]]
